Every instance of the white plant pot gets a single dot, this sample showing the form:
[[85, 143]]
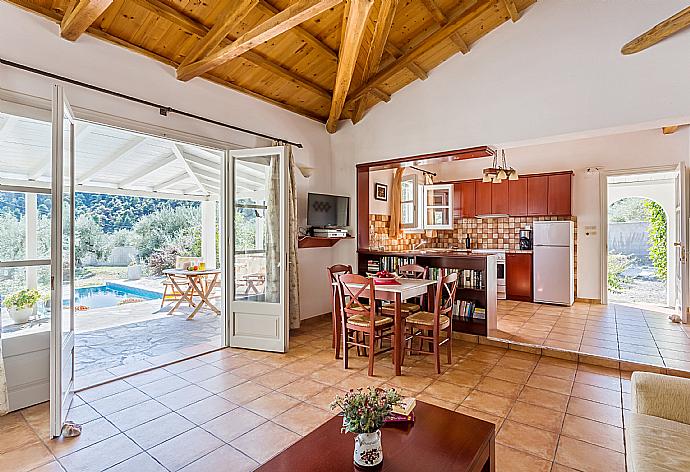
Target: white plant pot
[[133, 272], [368, 451], [21, 315]]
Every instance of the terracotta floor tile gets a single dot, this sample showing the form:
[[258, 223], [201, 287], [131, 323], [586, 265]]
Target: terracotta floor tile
[[104, 390], [594, 432], [198, 374], [595, 411], [183, 397], [458, 376], [230, 363], [488, 403], [489, 418], [447, 391], [119, 401], [303, 418], [511, 375], [538, 442], [207, 409], [536, 416], [513, 460], [244, 393], [537, 396], [137, 414], [276, 378], [322, 400], [252, 370], [357, 381], [185, 448], [221, 382], [16, 433], [141, 463], [25, 458], [220, 459], [160, 387], [426, 398], [92, 433], [101, 455], [500, 387], [597, 394], [233, 424], [517, 363], [52, 467], [265, 441], [588, 457], [184, 366], [303, 388], [158, 430], [271, 405], [552, 384], [560, 372]]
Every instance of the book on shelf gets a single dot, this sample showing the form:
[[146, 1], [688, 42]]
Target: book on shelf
[[389, 263], [464, 310], [470, 278]]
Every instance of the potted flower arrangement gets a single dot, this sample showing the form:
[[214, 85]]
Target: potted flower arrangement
[[22, 304], [364, 412]]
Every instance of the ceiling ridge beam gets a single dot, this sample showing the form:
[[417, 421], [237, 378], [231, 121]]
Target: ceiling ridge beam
[[180, 155], [222, 28], [382, 28], [80, 16], [435, 11], [347, 58], [659, 32], [182, 20], [463, 16], [292, 16]]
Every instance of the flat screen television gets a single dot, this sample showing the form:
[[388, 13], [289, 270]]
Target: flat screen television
[[327, 210]]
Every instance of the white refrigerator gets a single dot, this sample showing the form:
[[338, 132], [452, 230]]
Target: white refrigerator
[[554, 262]]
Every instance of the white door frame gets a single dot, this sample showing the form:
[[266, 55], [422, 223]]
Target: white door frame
[[256, 341], [61, 396], [604, 217]]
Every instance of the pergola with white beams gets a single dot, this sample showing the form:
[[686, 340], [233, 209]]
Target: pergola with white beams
[[114, 161]]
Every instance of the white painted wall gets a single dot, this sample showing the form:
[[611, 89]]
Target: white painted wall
[[555, 75], [29, 39]]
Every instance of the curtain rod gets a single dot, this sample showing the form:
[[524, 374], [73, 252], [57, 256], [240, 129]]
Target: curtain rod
[[163, 110], [423, 171]]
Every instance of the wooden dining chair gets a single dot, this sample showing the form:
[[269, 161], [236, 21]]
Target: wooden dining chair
[[334, 272], [423, 322], [408, 271], [358, 318]]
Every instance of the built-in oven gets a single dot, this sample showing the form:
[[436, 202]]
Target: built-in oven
[[500, 269]]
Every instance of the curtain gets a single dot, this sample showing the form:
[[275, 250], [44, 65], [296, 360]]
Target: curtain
[[273, 232], [429, 180], [396, 197], [4, 402]]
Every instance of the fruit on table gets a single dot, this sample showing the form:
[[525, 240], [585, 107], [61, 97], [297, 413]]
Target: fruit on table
[[384, 274]]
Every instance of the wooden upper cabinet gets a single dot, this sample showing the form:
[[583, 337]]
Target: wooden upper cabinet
[[482, 195], [499, 198], [464, 199], [559, 195], [517, 197], [537, 195]]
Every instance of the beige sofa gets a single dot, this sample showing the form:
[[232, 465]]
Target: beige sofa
[[658, 428]]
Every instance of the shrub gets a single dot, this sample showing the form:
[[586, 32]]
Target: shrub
[[89, 238], [26, 298], [617, 264], [167, 228], [657, 232], [163, 259]]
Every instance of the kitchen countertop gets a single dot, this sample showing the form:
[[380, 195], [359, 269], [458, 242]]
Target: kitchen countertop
[[434, 252]]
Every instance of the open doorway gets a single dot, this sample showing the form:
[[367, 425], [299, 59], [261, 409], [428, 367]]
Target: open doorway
[[641, 231]]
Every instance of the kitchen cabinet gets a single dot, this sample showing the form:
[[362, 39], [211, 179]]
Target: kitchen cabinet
[[482, 198], [517, 197], [537, 195], [519, 276], [499, 198], [559, 195], [464, 199]]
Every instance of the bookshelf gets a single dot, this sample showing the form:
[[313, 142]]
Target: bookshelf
[[476, 285]]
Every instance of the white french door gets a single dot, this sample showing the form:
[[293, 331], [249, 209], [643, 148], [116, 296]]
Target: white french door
[[681, 243], [256, 223], [62, 263]]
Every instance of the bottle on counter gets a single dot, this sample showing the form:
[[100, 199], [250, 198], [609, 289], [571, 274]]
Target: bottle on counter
[[468, 242]]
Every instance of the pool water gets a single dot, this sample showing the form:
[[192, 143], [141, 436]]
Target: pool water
[[110, 294]]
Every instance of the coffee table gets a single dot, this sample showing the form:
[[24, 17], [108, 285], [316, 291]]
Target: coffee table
[[440, 440]]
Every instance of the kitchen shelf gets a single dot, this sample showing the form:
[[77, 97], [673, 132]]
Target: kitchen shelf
[[316, 241]]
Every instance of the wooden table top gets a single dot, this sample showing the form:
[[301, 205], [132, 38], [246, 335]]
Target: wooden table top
[[191, 272], [403, 285], [440, 440]]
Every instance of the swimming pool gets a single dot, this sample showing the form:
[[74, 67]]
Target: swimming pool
[[110, 294]]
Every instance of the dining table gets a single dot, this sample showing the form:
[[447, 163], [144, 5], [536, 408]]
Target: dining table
[[397, 293], [200, 283]]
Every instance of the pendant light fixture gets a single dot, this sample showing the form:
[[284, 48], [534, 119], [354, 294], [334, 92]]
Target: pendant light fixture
[[498, 172]]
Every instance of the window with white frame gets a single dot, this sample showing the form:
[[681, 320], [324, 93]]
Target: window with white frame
[[408, 202]]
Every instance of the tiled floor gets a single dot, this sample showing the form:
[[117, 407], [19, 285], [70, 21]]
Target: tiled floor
[[232, 409], [617, 331]]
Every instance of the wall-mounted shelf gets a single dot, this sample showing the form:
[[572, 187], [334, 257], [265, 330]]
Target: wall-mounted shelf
[[315, 241]]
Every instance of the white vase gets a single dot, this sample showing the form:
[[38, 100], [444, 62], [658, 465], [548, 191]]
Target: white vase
[[368, 451], [21, 315], [134, 272]]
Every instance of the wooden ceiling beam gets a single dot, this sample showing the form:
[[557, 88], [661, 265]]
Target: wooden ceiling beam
[[347, 57], [435, 11], [382, 28], [292, 16], [670, 129], [460, 43], [220, 30], [661, 31], [512, 9], [413, 67], [183, 21], [80, 16], [306, 36], [460, 18]]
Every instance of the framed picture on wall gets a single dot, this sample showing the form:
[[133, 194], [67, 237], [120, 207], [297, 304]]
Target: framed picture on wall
[[381, 192]]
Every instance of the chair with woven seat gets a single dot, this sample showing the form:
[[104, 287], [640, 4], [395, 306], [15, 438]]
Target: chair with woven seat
[[360, 319], [422, 322], [408, 271], [334, 272]]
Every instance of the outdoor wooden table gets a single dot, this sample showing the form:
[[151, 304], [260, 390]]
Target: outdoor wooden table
[[408, 288], [440, 440], [198, 286]]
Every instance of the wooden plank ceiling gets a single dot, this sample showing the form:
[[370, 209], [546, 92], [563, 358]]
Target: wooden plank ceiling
[[328, 60]]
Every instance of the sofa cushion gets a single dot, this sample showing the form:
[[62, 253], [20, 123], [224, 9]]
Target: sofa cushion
[[656, 444]]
